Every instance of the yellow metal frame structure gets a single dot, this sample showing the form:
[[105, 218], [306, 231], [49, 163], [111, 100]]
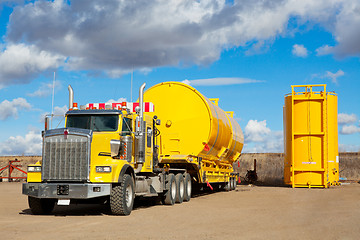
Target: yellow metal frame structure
[[216, 171], [309, 149]]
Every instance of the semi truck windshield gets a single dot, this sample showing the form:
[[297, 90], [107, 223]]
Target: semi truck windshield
[[97, 123]]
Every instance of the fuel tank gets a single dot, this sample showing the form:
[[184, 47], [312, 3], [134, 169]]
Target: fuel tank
[[193, 125]]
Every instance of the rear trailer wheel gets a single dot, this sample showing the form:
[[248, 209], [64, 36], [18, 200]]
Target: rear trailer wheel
[[41, 206], [179, 179], [228, 185], [122, 197], [188, 187], [234, 183], [170, 195]]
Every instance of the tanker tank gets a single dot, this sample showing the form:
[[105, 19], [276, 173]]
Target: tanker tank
[[193, 125]]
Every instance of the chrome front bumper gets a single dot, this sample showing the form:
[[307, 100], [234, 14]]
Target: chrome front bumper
[[66, 190]]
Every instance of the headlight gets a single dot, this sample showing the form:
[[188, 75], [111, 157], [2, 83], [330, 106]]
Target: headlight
[[106, 169], [34, 169]]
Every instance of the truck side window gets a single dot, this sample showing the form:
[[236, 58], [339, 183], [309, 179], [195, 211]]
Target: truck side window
[[126, 127], [149, 135]]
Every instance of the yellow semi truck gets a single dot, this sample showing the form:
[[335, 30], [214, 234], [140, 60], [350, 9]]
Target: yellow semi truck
[[172, 140]]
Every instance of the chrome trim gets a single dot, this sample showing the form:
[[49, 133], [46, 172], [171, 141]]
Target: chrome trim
[[66, 157], [78, 191]]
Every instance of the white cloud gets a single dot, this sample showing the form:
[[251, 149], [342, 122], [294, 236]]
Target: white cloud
[[334, 76], [347, 29], [329, 75], [260, 138], [256, 131], [324, 50], [344, 118], [219, 81], [349, 148], [30, 144], [19, 63], [11, 108], [60, 111], [299, 51], [349, 129], [45, 89], [120, 100], [117, 36]]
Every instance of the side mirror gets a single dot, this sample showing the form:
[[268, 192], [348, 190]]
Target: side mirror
[[115, 147], [47, 123]]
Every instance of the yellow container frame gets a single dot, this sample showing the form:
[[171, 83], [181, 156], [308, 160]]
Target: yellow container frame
[[315, 174]]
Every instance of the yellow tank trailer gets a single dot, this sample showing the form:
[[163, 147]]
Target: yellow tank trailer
[[311, 137], [176, 140]]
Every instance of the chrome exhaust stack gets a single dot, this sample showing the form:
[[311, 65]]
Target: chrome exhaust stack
[[141, 100], [140, 131], [71, 97]]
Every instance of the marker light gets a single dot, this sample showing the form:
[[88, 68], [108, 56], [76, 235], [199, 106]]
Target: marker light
[[103, 169], [75, 106], [34, 169]]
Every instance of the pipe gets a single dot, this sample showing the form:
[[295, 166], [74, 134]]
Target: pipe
[[140, 153], [141, 100], [71, 97], [138, 169]]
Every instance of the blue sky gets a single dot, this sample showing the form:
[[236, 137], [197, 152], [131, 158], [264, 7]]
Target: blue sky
[[247, 53]]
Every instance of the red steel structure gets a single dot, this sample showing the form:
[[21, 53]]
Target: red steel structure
[[11, 168]]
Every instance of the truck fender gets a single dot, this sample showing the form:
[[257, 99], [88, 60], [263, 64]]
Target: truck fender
[[127, 169]]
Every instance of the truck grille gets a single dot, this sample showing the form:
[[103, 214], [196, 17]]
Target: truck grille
[[66, 157]]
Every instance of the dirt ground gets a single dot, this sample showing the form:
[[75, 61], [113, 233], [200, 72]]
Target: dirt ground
[[246, 213]]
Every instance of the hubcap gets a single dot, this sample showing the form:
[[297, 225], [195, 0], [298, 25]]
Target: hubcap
[[182, 189], [128, 195], [189, 188], [173, 190]]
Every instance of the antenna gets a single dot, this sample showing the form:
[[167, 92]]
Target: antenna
[[52, 103], [131, 86]]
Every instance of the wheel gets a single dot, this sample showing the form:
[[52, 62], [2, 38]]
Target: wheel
[[40, 206], [228, 185], [233, 183], [188, 187], [122, 196], [179, 179], [170, 195]]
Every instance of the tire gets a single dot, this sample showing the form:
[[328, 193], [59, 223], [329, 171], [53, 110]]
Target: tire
[[233, 183], [40, 206], [170, 195], [122, 197], [188, 187], [180, 185], [228, 185]]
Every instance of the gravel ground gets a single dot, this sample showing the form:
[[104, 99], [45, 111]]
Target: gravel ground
[[249, 212]]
